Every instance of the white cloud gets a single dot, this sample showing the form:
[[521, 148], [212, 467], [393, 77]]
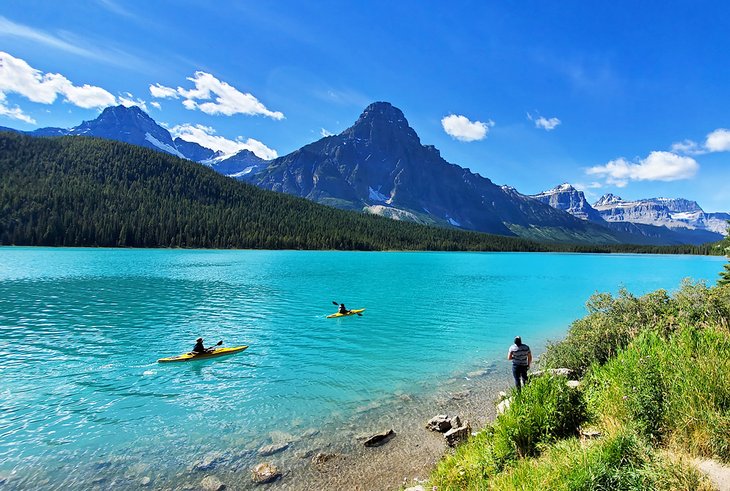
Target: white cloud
[[544, 123], [325, 133], [460, 128], [156, 105], [222, 98], [13, 112], [162, 92], [205, 136], [12, 29], [658, 166], [128, 100], [687, 147], [718, 141], [17, 76]]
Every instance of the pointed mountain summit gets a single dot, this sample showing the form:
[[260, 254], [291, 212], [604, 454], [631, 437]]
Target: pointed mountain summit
[[378, 165], [130, 125]]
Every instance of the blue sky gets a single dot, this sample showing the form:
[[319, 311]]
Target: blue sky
[[623, 97]]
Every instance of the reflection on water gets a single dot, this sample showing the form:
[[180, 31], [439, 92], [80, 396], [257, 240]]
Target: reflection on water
[[84, 403]]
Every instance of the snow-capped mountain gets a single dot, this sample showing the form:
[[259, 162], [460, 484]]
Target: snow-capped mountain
[[565, 197], [379, 165], [674, 213], [635, 226], [133, 125]]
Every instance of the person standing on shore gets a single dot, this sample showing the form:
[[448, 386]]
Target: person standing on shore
[[521, 357]]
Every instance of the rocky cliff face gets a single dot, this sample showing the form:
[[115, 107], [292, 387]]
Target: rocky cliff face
[[565, 197], [379, 165], [673, 213]]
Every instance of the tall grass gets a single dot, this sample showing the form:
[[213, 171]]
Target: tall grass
[[657, 377]]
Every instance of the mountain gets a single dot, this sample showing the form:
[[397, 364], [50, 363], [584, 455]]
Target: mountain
[[240, 165], [92, 192], [130, 125], [674, 213], [379, 165], [565, 197]]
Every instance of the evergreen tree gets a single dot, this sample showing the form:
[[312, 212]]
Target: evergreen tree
[[725, 273]]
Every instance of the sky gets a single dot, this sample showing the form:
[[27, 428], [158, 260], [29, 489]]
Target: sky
[[623, 97]]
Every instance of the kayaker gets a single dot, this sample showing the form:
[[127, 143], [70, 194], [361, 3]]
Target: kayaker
[[343, 310], [199, 348], [521, 357]]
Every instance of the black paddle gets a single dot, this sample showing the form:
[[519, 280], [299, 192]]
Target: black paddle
[[211, 347], [358, 313]]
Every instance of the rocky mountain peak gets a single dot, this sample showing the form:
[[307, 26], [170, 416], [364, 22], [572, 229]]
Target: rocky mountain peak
[[382, 121], [607, 200]]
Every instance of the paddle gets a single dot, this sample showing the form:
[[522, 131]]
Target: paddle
[[358, 313]]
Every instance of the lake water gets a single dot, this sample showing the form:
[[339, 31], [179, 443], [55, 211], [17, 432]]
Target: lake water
[[84, 403]]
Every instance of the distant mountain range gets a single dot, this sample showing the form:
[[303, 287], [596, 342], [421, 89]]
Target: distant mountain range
[[673, 220], [380, 166]]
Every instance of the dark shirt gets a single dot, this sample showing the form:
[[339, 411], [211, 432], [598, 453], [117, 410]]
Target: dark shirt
[[199, 348], [519, 354], [343, 310]]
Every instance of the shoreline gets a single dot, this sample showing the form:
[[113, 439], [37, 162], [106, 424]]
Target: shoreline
[[405, 460]]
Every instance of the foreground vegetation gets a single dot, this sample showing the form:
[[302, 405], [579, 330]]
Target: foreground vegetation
[[77, 191], [655, 385]]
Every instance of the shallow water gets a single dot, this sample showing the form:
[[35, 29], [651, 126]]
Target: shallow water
[[84, 403]]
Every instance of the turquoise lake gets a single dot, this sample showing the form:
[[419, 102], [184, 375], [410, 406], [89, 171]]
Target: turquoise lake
[[82, 330]]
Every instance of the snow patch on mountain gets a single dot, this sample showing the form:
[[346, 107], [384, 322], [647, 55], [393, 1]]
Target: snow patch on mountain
[[374, 195], [163, 146], [394, 213]]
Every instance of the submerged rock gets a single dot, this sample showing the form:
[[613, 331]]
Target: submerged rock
[[208, 462], [264, 473], [321, 458], [272, 449], [146, 481], [379, 439], [212, 483]]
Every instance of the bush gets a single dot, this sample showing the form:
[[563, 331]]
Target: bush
[[617, 462]]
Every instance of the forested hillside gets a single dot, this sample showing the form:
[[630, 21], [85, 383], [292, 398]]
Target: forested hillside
[[77, 191]]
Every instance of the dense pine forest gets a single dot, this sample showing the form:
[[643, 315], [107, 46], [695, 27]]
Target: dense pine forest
[[78, 191]]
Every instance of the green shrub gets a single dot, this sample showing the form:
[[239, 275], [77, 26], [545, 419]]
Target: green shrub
[[616, 463]]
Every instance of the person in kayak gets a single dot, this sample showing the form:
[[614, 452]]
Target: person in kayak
[[200, 348], [343, 310]]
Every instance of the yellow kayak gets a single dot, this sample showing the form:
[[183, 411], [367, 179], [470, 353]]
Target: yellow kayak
[[199, 356], [351, 312]]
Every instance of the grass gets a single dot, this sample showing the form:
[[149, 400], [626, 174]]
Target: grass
[[656, 382]]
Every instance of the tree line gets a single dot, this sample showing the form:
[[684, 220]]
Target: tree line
[[91, 192]]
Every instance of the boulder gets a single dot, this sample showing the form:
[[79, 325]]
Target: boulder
[[456, 435], [211, 483], [440, 423], [504, 405], [379, 438], [272, 449], [264, 473]]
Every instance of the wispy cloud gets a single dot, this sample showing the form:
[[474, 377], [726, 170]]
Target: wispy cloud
[[547, 124], [69, 43], [715, 141], [658, 166], [325, 133], [223, 98], [13, 112], [18, 77], [205, 136], [462, 129]]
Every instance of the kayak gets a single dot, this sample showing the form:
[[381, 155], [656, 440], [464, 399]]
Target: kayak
[[199, 356], [351, 312]]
